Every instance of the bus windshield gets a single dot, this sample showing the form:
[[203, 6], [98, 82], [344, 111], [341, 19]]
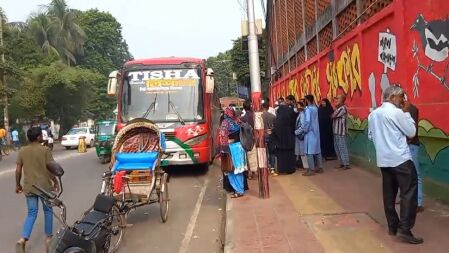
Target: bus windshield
[[163, 95]]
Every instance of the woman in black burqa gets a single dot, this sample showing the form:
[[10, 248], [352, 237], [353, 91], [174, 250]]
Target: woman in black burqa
[[284, 140], [325, 111]]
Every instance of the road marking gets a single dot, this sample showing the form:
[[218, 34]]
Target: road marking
[[191, 226], [60, 158]]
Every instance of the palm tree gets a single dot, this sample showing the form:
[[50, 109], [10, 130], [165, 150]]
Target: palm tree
[[71, 37], [45, 32]]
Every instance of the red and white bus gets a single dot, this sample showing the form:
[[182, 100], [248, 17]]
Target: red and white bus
[[175, 93]]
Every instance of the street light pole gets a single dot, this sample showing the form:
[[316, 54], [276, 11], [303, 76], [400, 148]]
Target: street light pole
[[259, 133], [253, 53]]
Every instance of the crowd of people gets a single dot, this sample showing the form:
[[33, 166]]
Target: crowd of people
[[298, 135]]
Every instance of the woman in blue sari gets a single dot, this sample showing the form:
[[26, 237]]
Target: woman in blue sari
[[233, 157]]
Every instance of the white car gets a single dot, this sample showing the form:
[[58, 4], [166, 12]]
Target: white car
[[71, 139]]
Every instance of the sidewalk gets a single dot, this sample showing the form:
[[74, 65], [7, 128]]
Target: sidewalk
[[338, 211]]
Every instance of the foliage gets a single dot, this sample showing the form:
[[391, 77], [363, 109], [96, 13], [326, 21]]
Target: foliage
[[236, 61], [240, 62], [105, 49], [61, 92], [222, 66], [57, 32], [57, 64]]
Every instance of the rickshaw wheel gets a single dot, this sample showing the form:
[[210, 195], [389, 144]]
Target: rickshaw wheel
[[163, 198], [119, 225]]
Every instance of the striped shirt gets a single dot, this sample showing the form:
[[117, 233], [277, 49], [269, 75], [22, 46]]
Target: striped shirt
[[339, 121]]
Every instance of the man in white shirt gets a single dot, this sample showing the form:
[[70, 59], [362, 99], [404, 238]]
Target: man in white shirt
[[389, 126]]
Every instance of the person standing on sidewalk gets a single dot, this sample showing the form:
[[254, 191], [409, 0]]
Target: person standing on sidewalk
[[325, 112], [233, 161], [284, 140], [414, 149], [252, 154], [270, 109], [299, 140], [268, 122], [32, 161], [389, 126], [311, 131], [340, 130]]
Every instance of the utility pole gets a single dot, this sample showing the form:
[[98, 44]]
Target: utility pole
[[3, 80], [253, 53], [259, 133]]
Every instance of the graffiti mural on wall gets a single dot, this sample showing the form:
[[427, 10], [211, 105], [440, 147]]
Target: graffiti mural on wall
[[293, 88], [345, 73], [387, 55], [411, 47], [309, 82], [434, 36]]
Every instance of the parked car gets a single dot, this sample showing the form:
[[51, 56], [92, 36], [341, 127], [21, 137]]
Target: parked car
[[71, 139]]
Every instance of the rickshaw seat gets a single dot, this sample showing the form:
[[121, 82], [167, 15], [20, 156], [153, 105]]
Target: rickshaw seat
[[135, 161]]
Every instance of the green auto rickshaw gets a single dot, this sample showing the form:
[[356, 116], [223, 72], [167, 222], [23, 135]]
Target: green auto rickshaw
[[104, 139]]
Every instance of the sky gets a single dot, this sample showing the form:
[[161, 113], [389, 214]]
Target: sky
[[161, 28]]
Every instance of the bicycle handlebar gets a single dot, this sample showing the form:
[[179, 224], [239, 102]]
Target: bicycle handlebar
[[47, 194]]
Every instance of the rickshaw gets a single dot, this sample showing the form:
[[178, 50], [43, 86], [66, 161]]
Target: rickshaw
[[136, 177], [104, 139]]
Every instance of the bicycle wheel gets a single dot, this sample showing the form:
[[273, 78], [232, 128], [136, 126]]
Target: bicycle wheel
[[118, 229], [163, 198]]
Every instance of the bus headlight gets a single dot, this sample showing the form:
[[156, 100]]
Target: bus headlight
[[196, 140]]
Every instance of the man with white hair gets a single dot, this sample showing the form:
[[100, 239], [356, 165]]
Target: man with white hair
[[389, 126]]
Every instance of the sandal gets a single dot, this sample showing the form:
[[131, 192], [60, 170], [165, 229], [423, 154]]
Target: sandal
[[20, 246], [236, 195]]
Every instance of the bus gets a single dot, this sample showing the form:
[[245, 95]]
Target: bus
[[178, 95]]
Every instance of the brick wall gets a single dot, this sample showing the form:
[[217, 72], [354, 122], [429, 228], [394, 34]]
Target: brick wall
[[289, 45]]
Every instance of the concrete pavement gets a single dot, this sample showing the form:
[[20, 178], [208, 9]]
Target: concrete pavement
[[195, 222], [336, 212]]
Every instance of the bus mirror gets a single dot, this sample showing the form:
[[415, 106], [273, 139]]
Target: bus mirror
[[210, 81], [112, 83]]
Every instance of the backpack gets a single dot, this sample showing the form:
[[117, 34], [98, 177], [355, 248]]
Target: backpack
[[246, 136]]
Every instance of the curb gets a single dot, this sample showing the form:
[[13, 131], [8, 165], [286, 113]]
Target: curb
[[229, 246]]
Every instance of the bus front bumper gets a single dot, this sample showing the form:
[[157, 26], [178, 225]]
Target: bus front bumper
[[186, 157]]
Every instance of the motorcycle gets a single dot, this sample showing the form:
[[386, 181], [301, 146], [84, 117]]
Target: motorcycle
[[48, 143], [95, 232]]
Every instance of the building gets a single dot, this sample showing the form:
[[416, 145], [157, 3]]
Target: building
[[360, 47]]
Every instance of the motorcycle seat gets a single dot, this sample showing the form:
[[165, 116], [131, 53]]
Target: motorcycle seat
[[100, 211]]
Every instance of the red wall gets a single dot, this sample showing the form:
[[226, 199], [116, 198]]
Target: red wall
[[353, 60]]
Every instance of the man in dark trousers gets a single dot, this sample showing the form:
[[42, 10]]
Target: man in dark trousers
[[389, 126], [414, 149], [268, 123]]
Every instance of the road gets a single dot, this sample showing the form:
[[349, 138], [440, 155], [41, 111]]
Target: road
[[195, 223]]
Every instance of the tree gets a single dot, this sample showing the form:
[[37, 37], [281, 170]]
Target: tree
[[240, 62], [105, 49], [44, 33], [70, 39], [222, 66], [57, 32]]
